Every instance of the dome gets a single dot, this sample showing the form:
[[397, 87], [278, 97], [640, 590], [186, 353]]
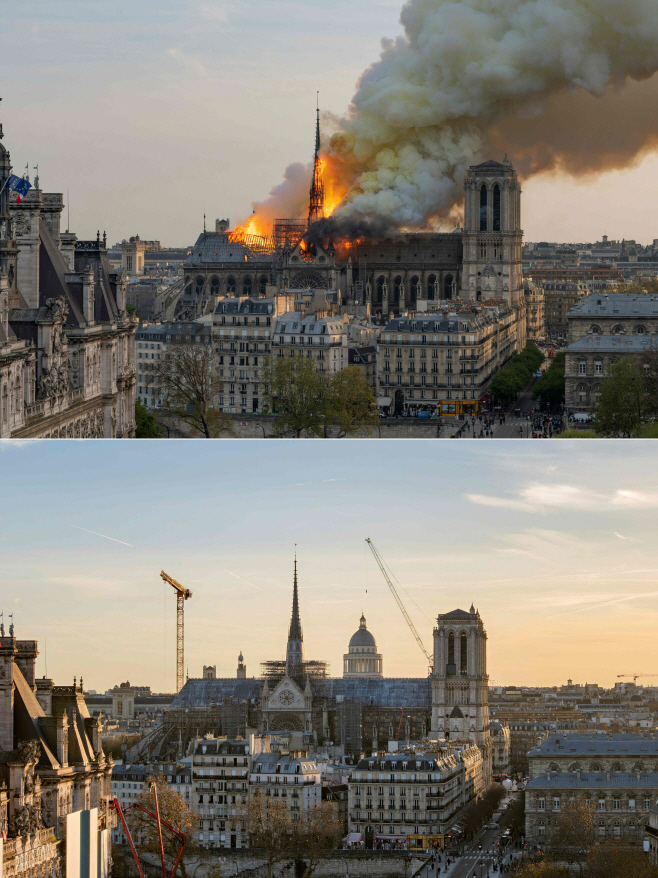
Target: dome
[[362, 637]]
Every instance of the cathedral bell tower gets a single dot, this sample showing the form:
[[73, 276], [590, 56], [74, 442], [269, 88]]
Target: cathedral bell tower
[[492, 237], [460, 685], [8, 246]]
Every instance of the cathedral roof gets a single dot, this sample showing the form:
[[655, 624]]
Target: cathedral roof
[[362, 637], [490, 164]]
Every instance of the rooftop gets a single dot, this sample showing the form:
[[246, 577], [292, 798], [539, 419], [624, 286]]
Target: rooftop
[[599, 745], [619, 344], [594, 779], [616, 305]]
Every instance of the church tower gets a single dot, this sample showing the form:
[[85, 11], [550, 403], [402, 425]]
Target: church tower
[[316, 196], [9, 296], [492, 238], [295, 648], [460, 684]]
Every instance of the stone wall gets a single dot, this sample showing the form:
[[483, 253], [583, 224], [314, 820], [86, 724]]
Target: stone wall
[[248, 864]]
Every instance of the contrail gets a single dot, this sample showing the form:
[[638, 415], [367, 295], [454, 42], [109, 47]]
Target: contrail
[[230, 573], [104, 536]]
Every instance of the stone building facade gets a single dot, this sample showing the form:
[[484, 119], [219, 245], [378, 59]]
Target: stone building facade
[[500, 748], [153, 341], [535, 299], [67, 352], [559, 298], [437, 359], [292, 778], [460, 684], [52, 767], [616, 775]]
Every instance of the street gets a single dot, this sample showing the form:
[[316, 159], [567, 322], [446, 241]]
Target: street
[[474, 863]]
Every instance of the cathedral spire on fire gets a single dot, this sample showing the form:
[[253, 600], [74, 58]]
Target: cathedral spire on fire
[[316, 196]]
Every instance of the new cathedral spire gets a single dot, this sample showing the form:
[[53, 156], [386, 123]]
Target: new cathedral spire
[[316, 198], [295, 648]]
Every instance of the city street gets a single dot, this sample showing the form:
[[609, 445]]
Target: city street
[[473, 863]]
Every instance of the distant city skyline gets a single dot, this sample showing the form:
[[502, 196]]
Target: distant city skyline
[[560, 562], [131, 106]]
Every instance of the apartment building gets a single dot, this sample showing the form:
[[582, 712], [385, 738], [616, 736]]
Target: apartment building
[[292, 778], [152, 341]]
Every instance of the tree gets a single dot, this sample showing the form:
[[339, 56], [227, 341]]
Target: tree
[[542, 869], [146, 427], [296, 392], [550, 387], [516, 375], [174, 810], [573, 837], [350, 402], [621, 408], [269, 828], [610, 861], [187, 382], [574, 433], [317, 831]]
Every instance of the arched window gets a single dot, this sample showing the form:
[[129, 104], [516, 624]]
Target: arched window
[[483, 208], [262, 285], [595, 767], [214, 286], [396, 289], [415, 288], [246, 286], [199, 285], [496, 208], [554, 767], [451, 648], [594, 329], [447, 286], [617, 329], [640, 330], [463, 657], [478, 296], [616, 766], [431, 286], [379, 294], [230, 284]]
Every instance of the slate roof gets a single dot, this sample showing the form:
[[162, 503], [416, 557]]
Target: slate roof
[[598, 745], [456, 615], [616, 305], [490, 164], [245, 306], [594, 779]]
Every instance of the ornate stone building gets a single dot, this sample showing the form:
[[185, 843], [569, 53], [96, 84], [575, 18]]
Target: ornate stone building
[[362, 658], [56, 781], [460, 684], [67, 349]]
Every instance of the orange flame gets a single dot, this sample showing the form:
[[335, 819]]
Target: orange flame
[[255, 225]]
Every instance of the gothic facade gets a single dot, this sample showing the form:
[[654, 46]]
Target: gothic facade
[[460, 684], [480, 262], [67, 343]]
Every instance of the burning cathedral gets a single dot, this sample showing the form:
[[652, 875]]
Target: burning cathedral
[[381, 276]]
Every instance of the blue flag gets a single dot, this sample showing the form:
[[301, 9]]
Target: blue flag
[[18, 185]]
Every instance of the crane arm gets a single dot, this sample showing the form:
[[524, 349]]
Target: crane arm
[[182, 591], [399, 602]]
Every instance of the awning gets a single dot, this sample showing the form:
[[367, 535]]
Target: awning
[[390, 837], [353, 838]]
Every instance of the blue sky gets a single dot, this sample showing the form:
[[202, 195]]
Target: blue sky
[[151, 113], [553, 542]]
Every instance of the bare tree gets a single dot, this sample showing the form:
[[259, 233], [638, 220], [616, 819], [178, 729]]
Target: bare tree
[[269, 828], [187, 383], [573, 837], [317, 831], [173, 809]]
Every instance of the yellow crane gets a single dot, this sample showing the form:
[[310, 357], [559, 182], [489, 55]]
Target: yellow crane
[[382, 567], [182, 594], [637, 676]]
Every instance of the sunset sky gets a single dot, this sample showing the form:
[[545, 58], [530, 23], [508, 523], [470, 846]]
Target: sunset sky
[[553, 542], [149, 114]]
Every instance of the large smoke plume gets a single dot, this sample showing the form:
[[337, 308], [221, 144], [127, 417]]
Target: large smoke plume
[[558, 84]]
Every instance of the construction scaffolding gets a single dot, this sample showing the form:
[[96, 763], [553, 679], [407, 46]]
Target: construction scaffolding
[[288, 230]]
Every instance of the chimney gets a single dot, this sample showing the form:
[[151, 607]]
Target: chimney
[[88, 295]]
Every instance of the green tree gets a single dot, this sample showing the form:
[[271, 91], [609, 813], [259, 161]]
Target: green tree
[[350, 402], [550, 387], [146, 427], [578, 434], [621, 409], [516, 375], [187, 382], [296, 393]]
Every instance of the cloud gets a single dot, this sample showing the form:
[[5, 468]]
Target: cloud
[[542, 497], [187, 61], [627, 539]]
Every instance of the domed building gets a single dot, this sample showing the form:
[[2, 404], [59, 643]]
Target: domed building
[[362, 658]]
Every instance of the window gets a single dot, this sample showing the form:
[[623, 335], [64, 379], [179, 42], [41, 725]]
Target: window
[[496, 208], [463, 640], [556, 803], [582, 367], [214, 286], [448, 286], [541, 803], [598, 367], [601, 806], [483, 208]]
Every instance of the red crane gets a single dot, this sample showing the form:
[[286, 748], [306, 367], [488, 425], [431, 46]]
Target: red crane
[[182, 838]]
